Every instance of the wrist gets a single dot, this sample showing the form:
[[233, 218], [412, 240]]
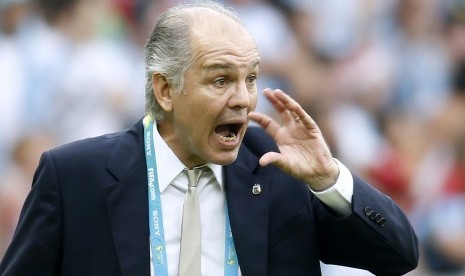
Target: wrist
[[326, 182]]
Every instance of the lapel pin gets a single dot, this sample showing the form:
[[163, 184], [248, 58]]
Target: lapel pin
[[256, 189]]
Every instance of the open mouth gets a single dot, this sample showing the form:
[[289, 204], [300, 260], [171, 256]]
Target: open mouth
[[228, 132]]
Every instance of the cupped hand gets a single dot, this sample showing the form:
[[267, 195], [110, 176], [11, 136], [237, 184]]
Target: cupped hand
[[303, 151]]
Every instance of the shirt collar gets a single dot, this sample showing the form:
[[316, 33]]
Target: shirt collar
[[171, 166]]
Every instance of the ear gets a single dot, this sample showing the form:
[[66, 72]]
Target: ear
[[162, 91]]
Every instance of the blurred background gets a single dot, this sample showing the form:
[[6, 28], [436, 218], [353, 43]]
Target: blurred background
[[384, 79]]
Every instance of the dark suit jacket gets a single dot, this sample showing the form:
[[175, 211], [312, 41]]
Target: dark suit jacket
[[87, 214]]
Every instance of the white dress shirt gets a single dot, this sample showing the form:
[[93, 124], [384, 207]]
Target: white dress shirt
[[212, 198]]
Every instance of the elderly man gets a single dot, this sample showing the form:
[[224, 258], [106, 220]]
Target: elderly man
[[192, 190]]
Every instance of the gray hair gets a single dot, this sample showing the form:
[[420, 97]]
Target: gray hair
[[168, 50]]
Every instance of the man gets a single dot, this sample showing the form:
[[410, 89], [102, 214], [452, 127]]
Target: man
[[88, 213]]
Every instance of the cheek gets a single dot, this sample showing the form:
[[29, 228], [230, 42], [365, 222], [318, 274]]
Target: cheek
[[201, 118], [253, 101]]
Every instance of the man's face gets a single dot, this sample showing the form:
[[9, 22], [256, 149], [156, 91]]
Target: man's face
[[209, 118]]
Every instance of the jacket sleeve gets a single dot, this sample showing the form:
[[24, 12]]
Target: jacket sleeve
[[377, 236], [36, 245]]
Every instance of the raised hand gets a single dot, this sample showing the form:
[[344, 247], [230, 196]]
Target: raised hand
[[303, 150]]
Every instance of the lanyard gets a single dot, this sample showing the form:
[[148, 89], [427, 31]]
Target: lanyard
[[157, 233]]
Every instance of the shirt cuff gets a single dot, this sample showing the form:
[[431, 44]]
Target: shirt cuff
[[339, 195]]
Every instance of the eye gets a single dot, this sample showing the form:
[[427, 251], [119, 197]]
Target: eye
[[251, 79], [220, 82]]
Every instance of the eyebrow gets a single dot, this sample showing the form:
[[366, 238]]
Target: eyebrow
[[219, 66], [228, 66], [255, 63]]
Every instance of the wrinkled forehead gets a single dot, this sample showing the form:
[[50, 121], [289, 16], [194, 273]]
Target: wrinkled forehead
[[216, 37], [209, 22]]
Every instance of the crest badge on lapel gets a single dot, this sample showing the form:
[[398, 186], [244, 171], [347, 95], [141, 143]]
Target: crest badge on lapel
[[256, 189]]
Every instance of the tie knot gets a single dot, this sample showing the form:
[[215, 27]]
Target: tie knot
[[194, 176]]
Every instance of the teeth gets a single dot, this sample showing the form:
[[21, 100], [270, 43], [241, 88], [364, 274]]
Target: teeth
[[231, 138]]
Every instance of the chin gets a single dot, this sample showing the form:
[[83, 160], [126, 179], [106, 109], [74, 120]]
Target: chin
[[225, 158]]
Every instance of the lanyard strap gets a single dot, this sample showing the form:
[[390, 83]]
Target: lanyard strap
[[231, 265], [157, 233]]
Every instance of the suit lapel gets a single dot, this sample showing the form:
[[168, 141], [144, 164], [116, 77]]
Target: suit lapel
[[248, 212], [126, 207]]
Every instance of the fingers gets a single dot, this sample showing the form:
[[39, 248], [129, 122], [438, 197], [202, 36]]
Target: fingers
[[266, 122], [284, 113], [288, 108]]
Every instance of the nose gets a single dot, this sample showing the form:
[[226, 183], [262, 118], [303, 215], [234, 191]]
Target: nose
[[241, 97]]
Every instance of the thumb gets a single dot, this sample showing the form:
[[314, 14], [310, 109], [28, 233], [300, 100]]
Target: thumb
[[270, 157]]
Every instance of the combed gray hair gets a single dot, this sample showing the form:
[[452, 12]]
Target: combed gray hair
[[168, 50]]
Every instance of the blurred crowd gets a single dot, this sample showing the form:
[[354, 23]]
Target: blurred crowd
[[384, 79]]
